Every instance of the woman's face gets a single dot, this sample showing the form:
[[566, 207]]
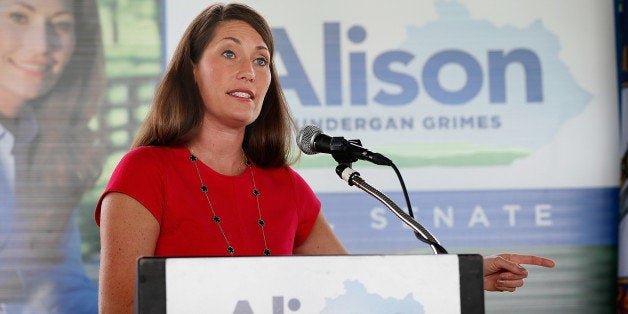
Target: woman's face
[[36, 41], [233, 75]]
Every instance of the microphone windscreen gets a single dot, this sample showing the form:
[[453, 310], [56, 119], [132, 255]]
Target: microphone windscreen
[[305, 138]]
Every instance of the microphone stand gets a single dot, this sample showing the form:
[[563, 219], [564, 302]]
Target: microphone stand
[[352, 177]]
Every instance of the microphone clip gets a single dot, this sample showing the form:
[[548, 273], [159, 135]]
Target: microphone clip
[[349, 151], [340, 152]]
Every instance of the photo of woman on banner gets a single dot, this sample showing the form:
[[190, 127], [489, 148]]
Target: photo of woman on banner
[[209, 172], [51, 84]]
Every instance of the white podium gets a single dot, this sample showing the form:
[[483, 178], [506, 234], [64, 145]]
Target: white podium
[[367, 284]]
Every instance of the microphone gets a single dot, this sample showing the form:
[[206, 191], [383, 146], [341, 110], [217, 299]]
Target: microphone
[[311, 140]]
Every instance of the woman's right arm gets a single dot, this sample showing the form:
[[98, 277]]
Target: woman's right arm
[[128, 231]]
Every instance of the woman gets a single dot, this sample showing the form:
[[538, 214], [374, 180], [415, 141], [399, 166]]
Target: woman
[[51, 75], [209, 175]]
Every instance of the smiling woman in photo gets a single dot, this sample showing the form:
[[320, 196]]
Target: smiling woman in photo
[[51, 83]]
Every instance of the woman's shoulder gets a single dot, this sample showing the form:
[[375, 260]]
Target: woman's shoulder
[[153, 154], [285, 173]]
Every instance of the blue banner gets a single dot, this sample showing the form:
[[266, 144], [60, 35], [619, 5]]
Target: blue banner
[[498, 218]]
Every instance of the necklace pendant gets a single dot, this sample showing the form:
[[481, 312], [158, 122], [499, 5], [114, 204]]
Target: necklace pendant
[[230, 250], [267, 252]]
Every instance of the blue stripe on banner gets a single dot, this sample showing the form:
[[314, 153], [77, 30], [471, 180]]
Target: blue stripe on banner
[[543, 217]]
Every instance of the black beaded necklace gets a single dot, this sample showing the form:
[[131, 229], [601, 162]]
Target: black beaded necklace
[[260, 221]]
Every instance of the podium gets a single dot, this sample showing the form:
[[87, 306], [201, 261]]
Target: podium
[[445, 283]]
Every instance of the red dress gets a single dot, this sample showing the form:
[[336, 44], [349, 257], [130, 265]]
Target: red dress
[[165, 181]]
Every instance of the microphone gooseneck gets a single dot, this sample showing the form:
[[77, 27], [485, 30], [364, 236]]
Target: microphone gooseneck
[[353, 178]]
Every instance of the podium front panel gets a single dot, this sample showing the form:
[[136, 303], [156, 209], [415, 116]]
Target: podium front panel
[[311, 284]]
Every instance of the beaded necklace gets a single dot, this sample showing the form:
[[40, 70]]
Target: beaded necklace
[[260, 221]]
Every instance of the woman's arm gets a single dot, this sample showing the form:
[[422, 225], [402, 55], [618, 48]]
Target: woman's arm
[[127, 232], [321, 241]]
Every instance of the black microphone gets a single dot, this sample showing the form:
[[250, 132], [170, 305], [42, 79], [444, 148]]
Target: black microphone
[[311, 140]]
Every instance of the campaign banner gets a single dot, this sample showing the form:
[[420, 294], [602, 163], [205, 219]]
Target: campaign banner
[[501, 116]]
